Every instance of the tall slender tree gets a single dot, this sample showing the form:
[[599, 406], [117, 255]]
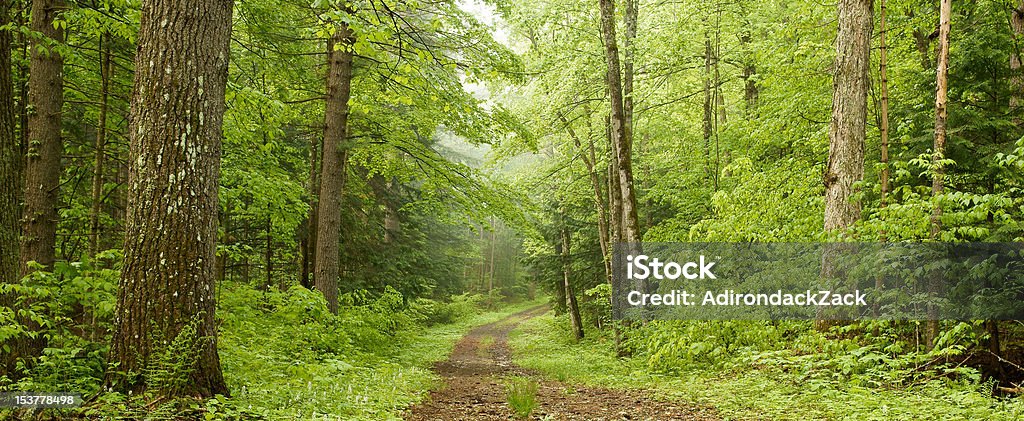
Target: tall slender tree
[[622, 144], [939, 147], [99, 165], [166, 300], [564, 251], [1017, 80], [333, 164], [42, 165]]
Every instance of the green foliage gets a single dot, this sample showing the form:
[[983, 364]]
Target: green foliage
[[521, 394], [787, 371], [71, 311], [286, 357]]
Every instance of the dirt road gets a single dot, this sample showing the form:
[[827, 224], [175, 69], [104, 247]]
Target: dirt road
[[476, 373]]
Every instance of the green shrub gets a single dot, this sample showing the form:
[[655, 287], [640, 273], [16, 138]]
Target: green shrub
[[71, 308]]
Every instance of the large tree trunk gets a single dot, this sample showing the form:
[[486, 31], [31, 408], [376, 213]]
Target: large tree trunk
[[43, 169], [847, 131], [101, 143], [849, 114], [165, 303], [9, 181], [333, 167], [939, 149]]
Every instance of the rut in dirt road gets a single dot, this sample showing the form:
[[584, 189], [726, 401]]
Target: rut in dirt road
[[476, 373]]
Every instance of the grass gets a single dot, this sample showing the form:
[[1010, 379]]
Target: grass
[[545, 344], [270, 380], [521, 394]]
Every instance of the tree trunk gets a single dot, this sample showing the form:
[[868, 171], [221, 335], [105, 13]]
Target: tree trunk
[[1017, 80], [490, 271], [614, 196], [883, 71], [9, 182], [570, 297], [43, 168], [621, 133], [333, 167], [849, 114], [750, 90], [708, 125], [939, 150], [595, 183], [101, 143], [629, 18], [309, 242], [847, 130], [269, 250], [166, 300]]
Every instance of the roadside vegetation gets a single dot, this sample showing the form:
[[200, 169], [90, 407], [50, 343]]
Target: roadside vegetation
[[797, 375]]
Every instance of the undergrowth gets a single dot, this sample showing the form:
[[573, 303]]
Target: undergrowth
[[283, 354], [791, 372]]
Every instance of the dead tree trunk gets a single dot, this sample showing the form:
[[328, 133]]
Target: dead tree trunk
[[939, 150], [333, 167], [166, 300]]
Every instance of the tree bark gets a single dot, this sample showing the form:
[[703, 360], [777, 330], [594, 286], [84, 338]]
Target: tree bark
[[595, 183], [166, 299], [42, 165], [883, 71], [708, 124], [750, 89], [570, 297], [10, 175], [101, 143], [849, 114], [309, 242], [490, 271], [621, 133], [333, 166], [847, 130], [939, 149], [1017, 80]]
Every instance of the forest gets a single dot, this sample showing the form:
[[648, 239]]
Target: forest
[[408, 209]]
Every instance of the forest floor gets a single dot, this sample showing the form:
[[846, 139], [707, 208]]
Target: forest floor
[[478, 371]]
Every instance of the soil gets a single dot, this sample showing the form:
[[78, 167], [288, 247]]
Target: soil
[[476, 374]]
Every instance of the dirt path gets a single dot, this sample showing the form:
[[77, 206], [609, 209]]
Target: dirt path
[[475, 378]]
